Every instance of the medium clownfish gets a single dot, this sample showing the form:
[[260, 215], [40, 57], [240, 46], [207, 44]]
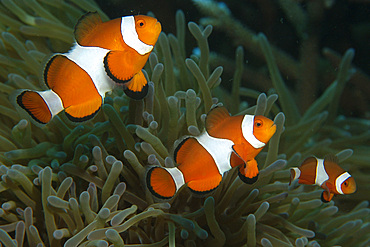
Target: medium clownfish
[[325, 173], [227, 142], [104, 55]]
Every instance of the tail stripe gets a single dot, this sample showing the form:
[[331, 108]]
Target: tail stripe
[[177, 176], [338, 182], [52, 100], [297, 173]]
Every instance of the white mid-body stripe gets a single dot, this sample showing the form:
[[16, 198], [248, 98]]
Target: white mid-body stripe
[[321, 175], [338, 182], [247, 130], [52, 100], [91, 60], [220, 150], [177, 176], [131, 38]]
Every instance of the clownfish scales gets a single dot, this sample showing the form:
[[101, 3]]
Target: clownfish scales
[[325, 173], [105, 54], [227, 142]]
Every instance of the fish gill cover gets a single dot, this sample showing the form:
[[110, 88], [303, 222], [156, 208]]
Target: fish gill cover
[[84, 185]]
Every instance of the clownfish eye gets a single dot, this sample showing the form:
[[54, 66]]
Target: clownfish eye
[[258, 123], [141, 23], [345, 183]]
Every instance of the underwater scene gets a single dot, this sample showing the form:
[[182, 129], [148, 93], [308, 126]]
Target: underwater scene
[[184, 123]]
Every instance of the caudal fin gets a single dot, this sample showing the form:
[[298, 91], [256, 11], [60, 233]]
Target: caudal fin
[[34, 105], [161, 183]]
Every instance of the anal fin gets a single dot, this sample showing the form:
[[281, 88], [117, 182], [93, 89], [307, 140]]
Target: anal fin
[[205, 185], [84, 111]]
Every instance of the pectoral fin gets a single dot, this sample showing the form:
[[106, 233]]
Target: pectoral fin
[[248, 172], [119, 66], [326, 196], [205, 185]]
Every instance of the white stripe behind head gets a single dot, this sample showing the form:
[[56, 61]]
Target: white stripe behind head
[[131, 38], [321, 175], [177, 176], [247, 130], [338, 182]]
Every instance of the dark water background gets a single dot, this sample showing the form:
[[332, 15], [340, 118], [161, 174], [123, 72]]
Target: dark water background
[[344, 25]]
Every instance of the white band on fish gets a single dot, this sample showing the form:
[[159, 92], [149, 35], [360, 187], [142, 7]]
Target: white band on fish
[[131, 38], [220, 150], [321, 175], [247, 130], [297, 173], [338, 182], [52, 100], [177, 176], [89, 58]]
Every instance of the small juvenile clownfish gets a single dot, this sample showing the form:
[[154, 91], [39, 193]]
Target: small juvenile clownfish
[[227, 142], [104, 55], [325, 173]]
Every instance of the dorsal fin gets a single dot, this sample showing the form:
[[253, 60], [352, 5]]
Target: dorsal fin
[[85, 25], [309, 160], [216, 116], [184, 148], [331, 158]]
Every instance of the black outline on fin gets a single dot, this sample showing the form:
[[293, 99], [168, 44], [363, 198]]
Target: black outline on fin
[[322, 197], [246, 179], [46, 69], [203, 192], [150, 188], [139, 95], [109, 73], [83, 119], [82, 18], [20, 103], [177, 149]]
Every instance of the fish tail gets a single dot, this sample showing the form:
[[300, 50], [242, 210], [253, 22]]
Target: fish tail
[[34, 104], [164, 182], [295, 173]]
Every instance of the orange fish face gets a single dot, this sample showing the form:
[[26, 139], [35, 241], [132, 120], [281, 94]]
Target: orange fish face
[[349, 186], [263, 128], [148, 29]]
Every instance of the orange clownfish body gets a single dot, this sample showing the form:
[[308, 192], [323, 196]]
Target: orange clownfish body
[[325, 173], [105, 54], [227, 142]]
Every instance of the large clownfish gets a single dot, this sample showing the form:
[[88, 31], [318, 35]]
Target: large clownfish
[[227, 142], [105, 54], [325, 173]]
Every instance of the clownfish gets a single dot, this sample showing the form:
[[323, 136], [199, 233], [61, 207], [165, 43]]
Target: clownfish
[[104, 55], [325, 173], [227, 142]]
